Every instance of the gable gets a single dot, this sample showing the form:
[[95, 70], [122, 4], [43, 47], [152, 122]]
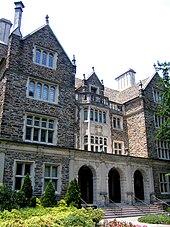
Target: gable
[[45, 38]]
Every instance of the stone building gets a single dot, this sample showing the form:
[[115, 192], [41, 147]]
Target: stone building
[[56, 127]]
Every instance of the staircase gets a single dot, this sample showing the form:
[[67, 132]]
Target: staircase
[[131, 210]]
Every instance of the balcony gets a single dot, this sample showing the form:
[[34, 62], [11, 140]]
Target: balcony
[[94, 99]]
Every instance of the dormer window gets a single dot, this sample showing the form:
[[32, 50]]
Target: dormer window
[[45, 57], [94, 89]]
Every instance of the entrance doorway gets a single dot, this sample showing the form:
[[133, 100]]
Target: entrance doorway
[[114, 186], [85, 179], [138, 185]]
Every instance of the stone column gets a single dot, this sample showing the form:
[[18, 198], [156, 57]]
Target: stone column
[[2, 162]]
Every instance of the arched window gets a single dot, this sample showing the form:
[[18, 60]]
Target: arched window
[[52, 94], [44, 58], [31, 88], [50, 60], [45, 92], [38, 91], [38, 56]]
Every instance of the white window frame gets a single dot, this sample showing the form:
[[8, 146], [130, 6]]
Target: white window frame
[[120, 151], [32, 172], [50, 178], [40, 128], [157, 96], [164, 183], [48, 52], [158, 120], [117, 119], [163, 149], [43, 83]]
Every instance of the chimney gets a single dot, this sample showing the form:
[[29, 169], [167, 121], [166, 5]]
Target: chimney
[[17, 18], [5, 26], [126, 80]]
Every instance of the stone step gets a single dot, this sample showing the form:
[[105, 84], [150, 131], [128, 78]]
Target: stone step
[[130, 210]]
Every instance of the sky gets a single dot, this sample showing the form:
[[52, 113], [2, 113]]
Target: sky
[[110, 35]]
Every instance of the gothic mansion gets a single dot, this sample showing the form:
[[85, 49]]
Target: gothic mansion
[[57, 127]]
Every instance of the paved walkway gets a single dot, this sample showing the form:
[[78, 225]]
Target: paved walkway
[[134, 220]]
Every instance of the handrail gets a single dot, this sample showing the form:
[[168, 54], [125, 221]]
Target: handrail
[[161, 200], [115, 205], [142, 203], [84, 202]]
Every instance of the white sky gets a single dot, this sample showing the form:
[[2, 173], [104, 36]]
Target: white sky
[[111, 35]]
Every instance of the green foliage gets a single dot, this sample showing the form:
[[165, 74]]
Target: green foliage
[[155, 219], [73, 195], [8, 199], [51, 216], [48, 198], [163, 132], [32, 201], [27, 189]]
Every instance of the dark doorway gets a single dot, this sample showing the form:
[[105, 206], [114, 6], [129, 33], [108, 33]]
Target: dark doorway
[[85, 178], [114, 186], [138, 185]]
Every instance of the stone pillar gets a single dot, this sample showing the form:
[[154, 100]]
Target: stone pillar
[[2, 162], [89, 130]]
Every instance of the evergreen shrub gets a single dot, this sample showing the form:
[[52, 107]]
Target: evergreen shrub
[[73, 194], [48, 198]]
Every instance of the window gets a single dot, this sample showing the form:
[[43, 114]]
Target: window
[[94, 90], [41, 91], [159, 120], [22, 168], [117, 122], [45, 58], [100, 144], [104, 117], [51, 173], [118, 148], [164, 182], [40, 129], [85, 114], [91, 115], [163, 149], [157, 96]]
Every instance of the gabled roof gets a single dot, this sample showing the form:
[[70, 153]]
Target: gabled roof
[[48, 27]]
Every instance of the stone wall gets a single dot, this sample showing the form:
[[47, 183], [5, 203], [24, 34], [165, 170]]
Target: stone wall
[[136, 129], [20, 67], [37, 155]]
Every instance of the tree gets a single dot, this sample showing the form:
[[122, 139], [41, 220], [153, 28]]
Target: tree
[[73, 194], [163, 133], [48, 198], [27, 189]]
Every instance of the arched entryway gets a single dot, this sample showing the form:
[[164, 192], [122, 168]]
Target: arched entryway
[[114, 186], [138, 185], [85, 179]]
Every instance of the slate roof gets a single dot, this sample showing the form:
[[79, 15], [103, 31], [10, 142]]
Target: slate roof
[[119, 96]]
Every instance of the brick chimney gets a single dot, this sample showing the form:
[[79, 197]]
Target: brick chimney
[[17, 18], [5, 26]]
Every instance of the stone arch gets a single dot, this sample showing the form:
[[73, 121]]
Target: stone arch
[[114, 184], [86, 179], [139, 184]]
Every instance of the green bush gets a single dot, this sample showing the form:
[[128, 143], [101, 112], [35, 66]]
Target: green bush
[[27, 189], [51, 216], [48, 198], [32, 201], [155, 219], [8, 199], [73, 194]]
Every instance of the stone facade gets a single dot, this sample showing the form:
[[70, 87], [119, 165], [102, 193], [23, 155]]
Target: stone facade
[[57, 128]]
